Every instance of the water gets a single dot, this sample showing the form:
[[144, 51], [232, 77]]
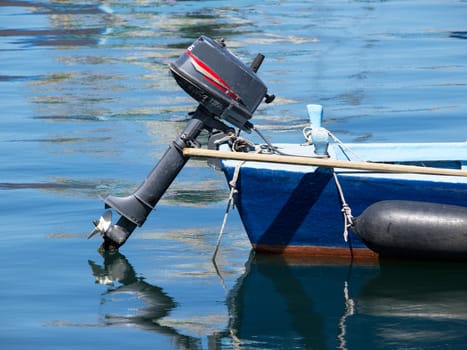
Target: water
[[87, 109]]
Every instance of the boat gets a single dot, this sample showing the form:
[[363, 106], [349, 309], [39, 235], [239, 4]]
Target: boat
[[306, 209], [316, 196]]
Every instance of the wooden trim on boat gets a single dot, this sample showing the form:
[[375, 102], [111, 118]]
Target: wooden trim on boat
[[322, 162]]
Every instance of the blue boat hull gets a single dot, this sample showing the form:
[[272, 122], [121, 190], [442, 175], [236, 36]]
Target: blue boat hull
[[300, 212]]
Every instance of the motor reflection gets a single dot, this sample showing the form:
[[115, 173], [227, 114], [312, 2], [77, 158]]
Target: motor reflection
[[130, 300]]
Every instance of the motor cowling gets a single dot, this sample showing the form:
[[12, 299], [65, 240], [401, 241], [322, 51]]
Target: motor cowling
[[217, 79]]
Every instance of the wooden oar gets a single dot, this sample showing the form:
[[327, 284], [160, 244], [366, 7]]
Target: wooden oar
[[321, 162]]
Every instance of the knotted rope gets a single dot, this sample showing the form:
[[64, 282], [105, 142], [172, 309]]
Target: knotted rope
[[346, 211]]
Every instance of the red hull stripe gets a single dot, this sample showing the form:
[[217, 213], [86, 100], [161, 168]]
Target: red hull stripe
[[309, 251], [211, 76]]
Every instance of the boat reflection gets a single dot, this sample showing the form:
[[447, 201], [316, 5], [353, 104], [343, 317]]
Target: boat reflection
[[416, 305], [421, 290], [280, 304], [127, 289], [305, 304]]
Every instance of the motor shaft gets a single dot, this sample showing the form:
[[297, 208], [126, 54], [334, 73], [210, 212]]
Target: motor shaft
[[135, 208]]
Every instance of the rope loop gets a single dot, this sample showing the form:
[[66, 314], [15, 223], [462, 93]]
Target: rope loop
[[345, 210], [348, 221], [307, 135]]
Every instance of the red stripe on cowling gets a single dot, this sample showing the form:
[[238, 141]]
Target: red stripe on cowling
[[211, 76]]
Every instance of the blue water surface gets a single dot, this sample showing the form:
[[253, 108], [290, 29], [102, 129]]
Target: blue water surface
[[87, 109]]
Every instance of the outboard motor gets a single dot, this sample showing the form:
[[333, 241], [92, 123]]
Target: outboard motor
[[226, 89]]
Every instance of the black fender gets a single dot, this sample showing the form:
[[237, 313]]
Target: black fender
[[414, 229]]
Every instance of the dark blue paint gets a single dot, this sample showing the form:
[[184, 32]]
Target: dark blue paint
[[304, 209]]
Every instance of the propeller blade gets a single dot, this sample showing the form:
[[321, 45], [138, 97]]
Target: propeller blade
[[103, 224]]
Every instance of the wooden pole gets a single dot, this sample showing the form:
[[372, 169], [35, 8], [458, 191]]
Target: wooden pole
[[321, 162]]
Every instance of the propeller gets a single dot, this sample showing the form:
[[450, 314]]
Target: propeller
[[102, 225]]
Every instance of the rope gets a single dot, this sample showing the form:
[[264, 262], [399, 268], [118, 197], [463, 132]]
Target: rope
[[230, 204], [307, 135], [238, 144], [346, 211], [348, 311], [345, 149], [269, 145]]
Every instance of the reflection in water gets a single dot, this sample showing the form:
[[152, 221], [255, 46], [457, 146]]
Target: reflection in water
[[125, 288], [280, 304], [69, 27], [458, 35], [105, 68], [215, 23], [428, 290], [308, 304], [199, 194], [328, 304], [416, 304]]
